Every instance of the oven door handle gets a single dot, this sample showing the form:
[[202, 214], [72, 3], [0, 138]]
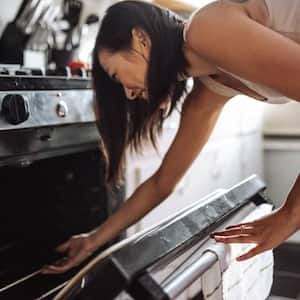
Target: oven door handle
[[194, 271]]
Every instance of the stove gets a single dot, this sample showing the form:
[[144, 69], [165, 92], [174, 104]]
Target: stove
[[52, 175], [167, 260], [44, 109]]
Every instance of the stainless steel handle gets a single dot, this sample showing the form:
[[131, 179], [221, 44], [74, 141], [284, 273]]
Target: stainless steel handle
[[182, 281]]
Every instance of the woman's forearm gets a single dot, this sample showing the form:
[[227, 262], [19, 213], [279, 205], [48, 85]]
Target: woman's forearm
[[292, 204], [201, 104], [144, 199]]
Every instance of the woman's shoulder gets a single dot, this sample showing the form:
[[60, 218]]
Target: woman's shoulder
[[254, 8], [202, 29], [209, 27], [223, 9], [215, 7]]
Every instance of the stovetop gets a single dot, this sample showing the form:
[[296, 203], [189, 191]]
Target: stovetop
[[32, 98], [16, 78]]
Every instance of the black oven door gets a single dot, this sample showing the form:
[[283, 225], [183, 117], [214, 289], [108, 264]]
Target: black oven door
[[42, 205]]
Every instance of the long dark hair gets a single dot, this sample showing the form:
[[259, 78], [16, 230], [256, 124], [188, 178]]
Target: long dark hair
[[122, 122]]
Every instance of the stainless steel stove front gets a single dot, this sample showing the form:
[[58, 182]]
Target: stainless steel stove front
[[45, 108]]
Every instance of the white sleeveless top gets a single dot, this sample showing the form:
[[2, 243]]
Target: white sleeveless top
[[285, 19]]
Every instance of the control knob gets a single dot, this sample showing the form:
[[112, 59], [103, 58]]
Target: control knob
[[15, 109]]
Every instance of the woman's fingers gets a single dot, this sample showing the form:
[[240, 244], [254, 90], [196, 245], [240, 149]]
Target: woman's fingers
[[60, 264], [241, 233], [64, 264], [78, 249], [267, 232], [249, 224], [238, 239], [235, 236], [64, 247], [54, 269], [234, 231], [254, 251]]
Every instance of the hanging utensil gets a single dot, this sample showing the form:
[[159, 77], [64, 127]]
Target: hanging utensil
[[25, 13], [32, 13], [73, 9], [90, 20], [43, 5], [39, 39]]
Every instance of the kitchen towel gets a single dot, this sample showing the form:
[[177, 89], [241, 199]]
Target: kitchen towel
[[229, 279]]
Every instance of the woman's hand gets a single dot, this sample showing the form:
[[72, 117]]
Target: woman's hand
[[77, 249], [267, 233]]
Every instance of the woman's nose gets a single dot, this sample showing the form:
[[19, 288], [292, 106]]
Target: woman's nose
[[130, 93]]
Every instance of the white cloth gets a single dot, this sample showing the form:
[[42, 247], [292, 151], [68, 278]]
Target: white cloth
[[211, 280], [229, 279]]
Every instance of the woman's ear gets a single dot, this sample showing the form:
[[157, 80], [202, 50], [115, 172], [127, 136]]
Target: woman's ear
[[139, 36]]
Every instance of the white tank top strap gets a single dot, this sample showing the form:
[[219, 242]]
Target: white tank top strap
[[218, 87], [185, 28]]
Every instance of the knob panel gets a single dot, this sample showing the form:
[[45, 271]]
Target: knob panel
[[15, 109]]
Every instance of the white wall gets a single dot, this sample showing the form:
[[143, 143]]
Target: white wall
[[9, 9]]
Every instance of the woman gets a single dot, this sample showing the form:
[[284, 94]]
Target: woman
[[142, 58]]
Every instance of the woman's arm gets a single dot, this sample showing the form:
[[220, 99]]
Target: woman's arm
[[224, 33], [268, 232], [200, 113], [292, 204]]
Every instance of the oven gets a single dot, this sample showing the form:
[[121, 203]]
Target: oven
[[52, 175], [164, 261]]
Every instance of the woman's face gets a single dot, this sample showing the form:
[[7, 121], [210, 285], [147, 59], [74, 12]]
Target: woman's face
[[129, 68]]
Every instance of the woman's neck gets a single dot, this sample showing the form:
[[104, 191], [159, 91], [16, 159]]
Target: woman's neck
[[198, 66]]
